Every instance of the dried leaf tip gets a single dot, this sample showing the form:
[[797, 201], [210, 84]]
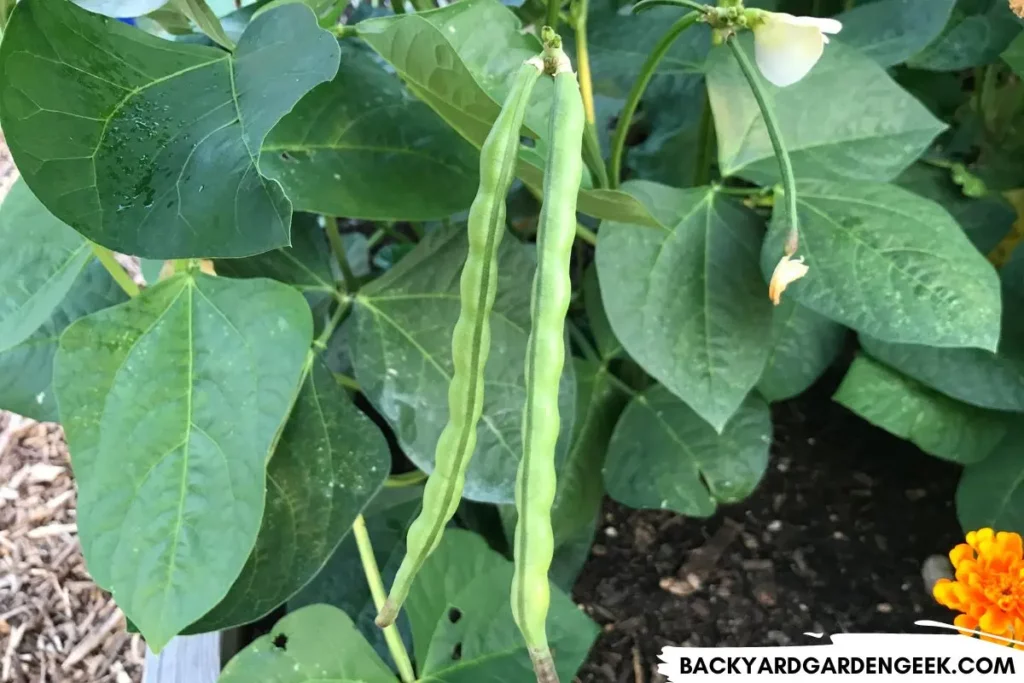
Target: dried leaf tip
[[788, 270]]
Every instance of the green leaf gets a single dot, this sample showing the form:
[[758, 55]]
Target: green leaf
[[403, 358], [688, 301], [120, 8], [463, 631], [976, 34], [464, 74], [1013, 55], [991, 492], [317, 644], [151, 147], [608, 345], [889, 264], [331, 460], [975, 376], [170, 403], [663, 455], [986, 220], [892, 31], [846, 120], [938, 425], [26, 369], [42, 259], [342, 581], [361, 147], [203, 17], [803, 345]]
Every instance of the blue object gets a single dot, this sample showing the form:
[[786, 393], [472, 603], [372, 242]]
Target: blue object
[[130, 22]]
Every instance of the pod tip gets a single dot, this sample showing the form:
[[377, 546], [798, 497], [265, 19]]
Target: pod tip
[[544, 665], [387, 615]]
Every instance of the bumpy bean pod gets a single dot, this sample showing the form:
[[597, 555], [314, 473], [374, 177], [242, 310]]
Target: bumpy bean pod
[[545, 355], [471, 339]]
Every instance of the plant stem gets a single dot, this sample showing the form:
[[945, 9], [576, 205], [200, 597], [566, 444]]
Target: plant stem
[[120, 275], [423, 5], [591, 144], [645, 5], [706, 142], [397, 481], [398, 6], [554, 8], [348, 31], [639, 86], [775, 134], [339, 314], [586, 234], [338, 247], [586, 348], [391, 635], [346, 381]]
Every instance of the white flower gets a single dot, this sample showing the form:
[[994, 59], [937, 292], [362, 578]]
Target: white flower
[[788, 47], [788, 270]]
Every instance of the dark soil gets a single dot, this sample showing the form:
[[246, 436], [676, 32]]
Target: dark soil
[[832, 541]]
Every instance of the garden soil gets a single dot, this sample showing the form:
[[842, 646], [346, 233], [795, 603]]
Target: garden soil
[[832, 541]]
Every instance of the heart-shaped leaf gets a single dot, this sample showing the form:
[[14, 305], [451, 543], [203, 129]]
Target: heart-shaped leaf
[[889, 264], [803, 345], [892, 31], [688, 300], [330, 461], [846, 119], [170, 403], [991, 492], [151, 147], [939, 425], [42, 259], [663, 455], [978, 31], [403, 358], [361, 147]]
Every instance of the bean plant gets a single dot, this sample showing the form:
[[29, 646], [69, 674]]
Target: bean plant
[[341, 401]]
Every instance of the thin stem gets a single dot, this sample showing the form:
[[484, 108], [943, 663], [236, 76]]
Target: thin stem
[[706, 140], [347, 381], [645, 5], [554, 13], [639, 86], [775, 134], [347, 31], [398, 6], [591, 144], [739, 191], [338, 247], [586, 348], [339, 314], [391, 635], [120, 275], [586, 234], [423, 5], [397, 481]]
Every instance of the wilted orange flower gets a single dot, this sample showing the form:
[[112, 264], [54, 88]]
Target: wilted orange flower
[[989, 585], [788, 270], [1018, 7]]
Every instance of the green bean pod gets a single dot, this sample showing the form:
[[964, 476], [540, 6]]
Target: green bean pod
[[471, 339], [545, 355]]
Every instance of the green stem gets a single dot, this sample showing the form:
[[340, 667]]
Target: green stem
[[347, 31], [706, 140], [586, 234], [591, 144], [398, 6], [397, 481], [120, 275], [586, 348], [391, 635], [639, 86], [645, 5], [554, 10], [339, 314], [775, 134], [346, 381], [423, 5], [338, 247], [739, 191]]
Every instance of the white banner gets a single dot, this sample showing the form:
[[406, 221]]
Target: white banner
[[853, 657]]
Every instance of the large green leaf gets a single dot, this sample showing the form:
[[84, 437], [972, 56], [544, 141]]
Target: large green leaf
[[890, 264], [361, 147], [939, 425], [464, 74], [976, 34], [170, 403], [663, 455], [803, 345], [688, 300], [317, 644], [846, 120], [991, 492], [403, 358], [26, 369], [986, 220], [891, 31], [121, 8], [330, 461], [151, 147], [462, 625], [42, 258]]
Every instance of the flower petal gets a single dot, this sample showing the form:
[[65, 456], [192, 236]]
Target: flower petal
[[786, 52]]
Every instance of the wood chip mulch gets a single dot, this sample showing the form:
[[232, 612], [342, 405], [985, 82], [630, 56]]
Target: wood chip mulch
[[56, 625]]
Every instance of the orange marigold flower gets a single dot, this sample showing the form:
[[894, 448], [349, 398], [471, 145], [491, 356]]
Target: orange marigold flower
[[989, 585]]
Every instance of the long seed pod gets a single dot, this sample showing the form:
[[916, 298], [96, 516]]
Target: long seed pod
[[471, 339], [545, 355]]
